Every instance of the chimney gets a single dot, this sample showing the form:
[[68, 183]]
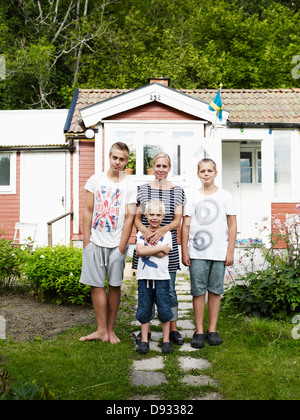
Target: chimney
[[162, 80]]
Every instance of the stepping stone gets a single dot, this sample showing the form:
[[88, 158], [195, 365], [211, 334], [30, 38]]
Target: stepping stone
[[184, 298], [211, 396], [183, 287], [154, 346], [188, 363], [199, 380], [185, 305], [148, 378], [145, 397], [154, 363], [156, 336], [187, 333], [187, 347], [182, 314], [186, 324]]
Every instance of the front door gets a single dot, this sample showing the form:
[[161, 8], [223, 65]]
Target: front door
[[241, 163], [43, 194]]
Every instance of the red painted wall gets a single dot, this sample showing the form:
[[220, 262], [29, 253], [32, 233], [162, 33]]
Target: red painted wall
[[10, 208]]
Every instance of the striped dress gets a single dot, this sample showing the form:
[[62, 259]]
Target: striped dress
[[171, 199]]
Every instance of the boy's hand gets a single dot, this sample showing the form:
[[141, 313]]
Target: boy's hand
[[229, 260], [186, 259]]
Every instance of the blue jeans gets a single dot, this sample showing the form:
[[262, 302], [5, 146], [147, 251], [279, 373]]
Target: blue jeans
[[173, 296], [156, 292]]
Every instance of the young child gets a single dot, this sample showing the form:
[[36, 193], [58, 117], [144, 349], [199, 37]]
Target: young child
[[153, 278], [208, 240], [107, 222]]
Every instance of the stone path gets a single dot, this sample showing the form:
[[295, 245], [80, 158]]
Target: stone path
[[149, 371]]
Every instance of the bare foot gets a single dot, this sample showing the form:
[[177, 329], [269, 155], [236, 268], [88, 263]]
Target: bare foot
[[113, 338], [95, 336]]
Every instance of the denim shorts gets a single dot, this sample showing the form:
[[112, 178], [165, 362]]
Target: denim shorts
[[207, 275], [150, 292]]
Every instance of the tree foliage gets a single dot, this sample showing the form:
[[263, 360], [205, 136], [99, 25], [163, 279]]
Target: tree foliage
[[52, 46]]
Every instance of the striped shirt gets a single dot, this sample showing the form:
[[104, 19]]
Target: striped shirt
[[171, 198]]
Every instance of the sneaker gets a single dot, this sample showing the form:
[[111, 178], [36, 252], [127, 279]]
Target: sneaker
[[143, 347], [167, 347], [176, 338], [138, 338], [197, 341], [213, 338]]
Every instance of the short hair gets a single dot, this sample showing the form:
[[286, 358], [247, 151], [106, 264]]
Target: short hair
[[121, 146], [162, 155], [155, 202], [204, 161]]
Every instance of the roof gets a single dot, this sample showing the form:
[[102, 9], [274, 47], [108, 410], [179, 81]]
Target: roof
[[244, 105], [34, 127]]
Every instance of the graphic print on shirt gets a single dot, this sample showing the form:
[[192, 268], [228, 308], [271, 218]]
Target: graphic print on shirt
[[107, 208], [146, 260], [206, 212]]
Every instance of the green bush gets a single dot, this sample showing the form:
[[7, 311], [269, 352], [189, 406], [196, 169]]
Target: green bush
[[12, 260], [272, 293], [54, 275]]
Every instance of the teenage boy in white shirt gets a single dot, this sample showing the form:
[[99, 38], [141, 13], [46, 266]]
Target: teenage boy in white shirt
[[208, 238], [109, 212]]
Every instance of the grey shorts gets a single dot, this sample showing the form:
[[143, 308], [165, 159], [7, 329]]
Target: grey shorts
[[98, 261], [207, 275]]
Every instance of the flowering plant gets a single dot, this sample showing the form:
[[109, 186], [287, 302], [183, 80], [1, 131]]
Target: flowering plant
[[270, 285]]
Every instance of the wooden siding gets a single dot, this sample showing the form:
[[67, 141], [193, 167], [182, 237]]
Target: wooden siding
[[10, 208], [153, 111], [279, 211], [86, 169]]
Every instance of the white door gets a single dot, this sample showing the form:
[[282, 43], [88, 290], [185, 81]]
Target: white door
[[231, 174], [43, 194]]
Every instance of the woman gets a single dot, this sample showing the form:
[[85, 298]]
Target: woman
[[173, 197]]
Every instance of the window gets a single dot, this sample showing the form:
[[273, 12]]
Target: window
[[7, 173], [246, 167], [4, 170], [250, 165], [147, 140], [282, 164]]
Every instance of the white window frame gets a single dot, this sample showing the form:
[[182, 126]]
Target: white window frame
[[140, 127], [254, 151], [10, 189]]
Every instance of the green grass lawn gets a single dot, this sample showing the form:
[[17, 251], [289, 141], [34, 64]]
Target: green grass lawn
[[259, 359]]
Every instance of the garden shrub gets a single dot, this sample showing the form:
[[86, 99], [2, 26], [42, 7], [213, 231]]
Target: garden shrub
[[275, 291], [272, 293], [12, 260], [54, 273]]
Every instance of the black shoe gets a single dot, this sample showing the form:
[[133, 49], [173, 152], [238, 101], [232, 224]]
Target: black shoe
[[176, 338], [213, 338], [138, 338], [197, 341], [167, 347], [143, 347]]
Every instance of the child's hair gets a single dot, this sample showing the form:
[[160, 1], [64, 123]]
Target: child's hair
[[121, 146], [206, 160], [162, 155], [155, 202]]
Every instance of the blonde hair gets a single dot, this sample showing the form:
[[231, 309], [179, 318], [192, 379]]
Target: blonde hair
[[155, 202], [204, 161], [162, 155]]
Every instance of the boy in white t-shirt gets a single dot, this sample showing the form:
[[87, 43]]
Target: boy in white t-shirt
[[208, 238], [154, 278], [107, 223]]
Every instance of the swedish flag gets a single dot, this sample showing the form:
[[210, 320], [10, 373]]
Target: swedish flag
[[216, 104]]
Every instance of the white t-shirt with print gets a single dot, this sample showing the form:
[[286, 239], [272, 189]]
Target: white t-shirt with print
[[208, 236], [110, 199], [152, 267]]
